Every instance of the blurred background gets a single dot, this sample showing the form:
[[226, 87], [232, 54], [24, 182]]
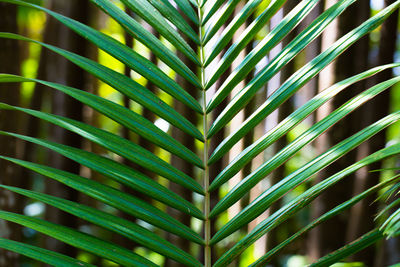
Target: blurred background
[[28, 59]]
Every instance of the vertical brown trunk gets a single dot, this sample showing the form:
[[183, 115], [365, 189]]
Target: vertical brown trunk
[[147, 114], [249, 138], [129, 41], [331, 235], [62, 71], [127, 71], [237, 120], [311, 51], [363, 214], [248, 110], [177, 162], [186, 167], [92, 117], [9, 93], [284, 110], [122, 241]]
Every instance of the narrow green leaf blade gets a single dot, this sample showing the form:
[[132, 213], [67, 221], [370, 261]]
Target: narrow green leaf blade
[[302, 76], [390, 206], [366, 240], [233, 26], [247, 35], [113, 223], [263, 201], [145, 10], [286, 125], [305, 198], [285, 56], [333, 212], [391, 225], [114, 198], [223, 16], [125, 85], [308, 136], [80, 240], [129, 151], [211, 11], [135, 29], [169, 12], [118, 172], [126, 55], [186, 8], [40, 254], [291, 20], [124, 116]]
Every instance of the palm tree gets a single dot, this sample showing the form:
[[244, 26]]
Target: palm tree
[[200, 67]]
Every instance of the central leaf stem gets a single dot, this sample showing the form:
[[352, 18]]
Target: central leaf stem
[[206, 178]]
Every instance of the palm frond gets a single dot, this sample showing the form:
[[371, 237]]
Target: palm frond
[[198, 46]]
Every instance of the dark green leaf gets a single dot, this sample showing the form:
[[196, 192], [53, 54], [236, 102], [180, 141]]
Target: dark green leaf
[[286, 125], [40, 254], [169, 12], [80, 240], [114, 198], [302, 76], [308, 136], [126, 55], [113, 223], [273, 67], [233, 26], [244, 38], [333, 212], [186, 8], [365, 241], [124, 116], [223, 16], [263, 201], [116, 170], [299, 202], [124, 85], [156, 20], [135, 29], [250, 61]]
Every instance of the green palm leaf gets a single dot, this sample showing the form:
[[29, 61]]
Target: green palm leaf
[[335, 211], [302, 76], [350, 249], [298, 143], [294, 205], [245, 37], [43, 255], [278, 131], [193, 67], [120, 173], [126, 117], [81, 240], [115, 198], [137, 31], [126, 228]]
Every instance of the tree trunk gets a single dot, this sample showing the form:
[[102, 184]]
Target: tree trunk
[[330, 235], [62, 71], [311, 51], [177, 162], [284, 110], [249, 139], [126, 133], [9, 93], [363, 214]]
